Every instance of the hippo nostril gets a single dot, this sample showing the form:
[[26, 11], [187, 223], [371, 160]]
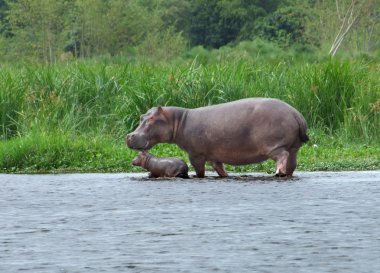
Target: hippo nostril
[[128, 138]]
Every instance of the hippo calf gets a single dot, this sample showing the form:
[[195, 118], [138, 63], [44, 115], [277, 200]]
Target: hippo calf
[[238, 133], [161, 167]]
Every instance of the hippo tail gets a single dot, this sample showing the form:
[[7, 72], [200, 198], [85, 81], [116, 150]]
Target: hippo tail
[[302, 127]]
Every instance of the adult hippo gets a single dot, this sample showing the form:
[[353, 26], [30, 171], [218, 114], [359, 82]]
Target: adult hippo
[[237, 133]]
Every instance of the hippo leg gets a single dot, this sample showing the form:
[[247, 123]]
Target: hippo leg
[[281, 157], [219, 168], [292, 162], [198, 163]]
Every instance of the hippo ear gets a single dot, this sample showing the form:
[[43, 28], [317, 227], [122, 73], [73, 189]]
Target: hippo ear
[[159, 110]]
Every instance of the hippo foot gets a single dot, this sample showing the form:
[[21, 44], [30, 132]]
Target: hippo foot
[[183, 176], [280, 175], [196, 176], [283, 176]]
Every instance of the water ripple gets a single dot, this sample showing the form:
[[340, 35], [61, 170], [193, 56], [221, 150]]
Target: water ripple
[[315, 222]]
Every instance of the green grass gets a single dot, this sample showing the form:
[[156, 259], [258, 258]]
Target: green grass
[[52, 152], [107, 98], [42, 152], [74, 116]]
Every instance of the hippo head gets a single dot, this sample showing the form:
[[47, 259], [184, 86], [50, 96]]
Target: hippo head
[[140, 159], [154, 128], [137, 161]]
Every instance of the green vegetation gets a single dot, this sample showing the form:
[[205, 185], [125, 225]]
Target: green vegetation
[[54, 152], [76, 74], [55, 30], [75, 116]]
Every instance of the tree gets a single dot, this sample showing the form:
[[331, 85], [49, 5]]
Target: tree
[[348, 20], [129, 24], [90, 26], [37, 27], [107, 27], [215, 23], [366, 33], [46, 29], [175, 13], [348, 24], [4, 22], [286, 26]]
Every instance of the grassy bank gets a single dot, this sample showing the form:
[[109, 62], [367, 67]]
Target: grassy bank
[[73, 117], [42, 152]]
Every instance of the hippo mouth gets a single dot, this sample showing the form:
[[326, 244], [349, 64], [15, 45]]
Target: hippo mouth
[[144, 148], [138, 145]]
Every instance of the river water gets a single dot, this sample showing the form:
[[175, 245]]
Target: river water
[[315, 222]]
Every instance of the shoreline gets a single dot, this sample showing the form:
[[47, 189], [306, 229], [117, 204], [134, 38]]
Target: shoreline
[[209, 175]]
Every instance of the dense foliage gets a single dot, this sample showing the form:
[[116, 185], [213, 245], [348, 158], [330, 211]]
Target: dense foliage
[[53, 30]]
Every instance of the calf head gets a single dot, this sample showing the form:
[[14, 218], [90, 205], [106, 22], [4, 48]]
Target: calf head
[[140, 159]]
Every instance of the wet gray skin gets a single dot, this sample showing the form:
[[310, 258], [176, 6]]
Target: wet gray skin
[[238, 133], [161, 167], [313, 222]]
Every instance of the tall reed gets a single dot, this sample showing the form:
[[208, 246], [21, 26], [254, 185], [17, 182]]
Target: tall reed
[[339, 97]]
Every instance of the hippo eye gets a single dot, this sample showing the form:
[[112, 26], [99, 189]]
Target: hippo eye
[[160, 122]]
